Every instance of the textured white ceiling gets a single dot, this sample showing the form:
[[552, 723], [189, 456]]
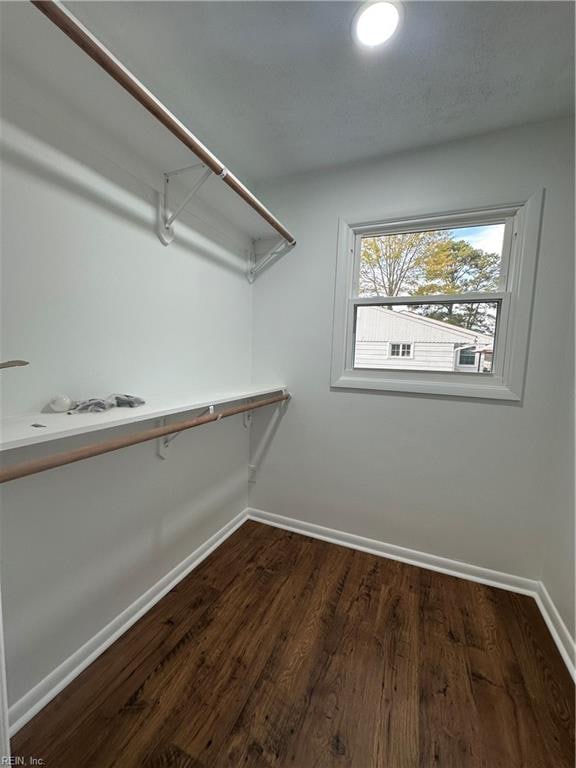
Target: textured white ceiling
[[276, 88]]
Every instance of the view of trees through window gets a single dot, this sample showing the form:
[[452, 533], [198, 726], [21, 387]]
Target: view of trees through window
[[445, 261], [449, 335]]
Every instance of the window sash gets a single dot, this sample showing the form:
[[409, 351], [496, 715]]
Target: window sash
[[502, 320], [504, 216], [429, 298]]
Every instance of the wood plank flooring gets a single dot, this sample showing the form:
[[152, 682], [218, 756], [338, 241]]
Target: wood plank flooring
[[279, 650]]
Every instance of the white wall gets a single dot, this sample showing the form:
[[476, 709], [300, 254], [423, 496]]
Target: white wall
[[98, 305], [405, 469]]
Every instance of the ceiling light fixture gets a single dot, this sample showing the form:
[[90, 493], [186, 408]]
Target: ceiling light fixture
[[375, 23]]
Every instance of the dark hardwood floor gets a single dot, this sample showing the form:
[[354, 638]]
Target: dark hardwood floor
[[280, 650]]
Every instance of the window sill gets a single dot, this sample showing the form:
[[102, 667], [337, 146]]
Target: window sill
[[483, 386]]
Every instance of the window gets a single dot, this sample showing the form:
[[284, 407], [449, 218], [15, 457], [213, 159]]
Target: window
[[400, 350], [467, 357], [439, 304]]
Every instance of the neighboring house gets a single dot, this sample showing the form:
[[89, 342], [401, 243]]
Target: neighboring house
[[403, 339]]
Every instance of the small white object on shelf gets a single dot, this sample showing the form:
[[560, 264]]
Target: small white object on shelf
[[60, 404], [33, 428]]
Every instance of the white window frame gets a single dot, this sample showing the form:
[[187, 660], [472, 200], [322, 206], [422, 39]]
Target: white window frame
[[519, 258], [401, 344]]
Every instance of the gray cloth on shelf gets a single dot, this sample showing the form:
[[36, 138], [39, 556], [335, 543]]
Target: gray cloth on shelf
[[98, 405], [126, 401], [94, 405]]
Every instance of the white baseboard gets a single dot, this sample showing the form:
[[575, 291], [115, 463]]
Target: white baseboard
[[533, 588], [558, 629], [32, 702], [404, 555]]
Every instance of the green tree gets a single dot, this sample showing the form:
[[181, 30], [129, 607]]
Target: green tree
[[427, 263], [453, 268], [393, 265]]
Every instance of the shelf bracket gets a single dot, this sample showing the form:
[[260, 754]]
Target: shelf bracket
[[163, 443], [277, 251], [167, 219]]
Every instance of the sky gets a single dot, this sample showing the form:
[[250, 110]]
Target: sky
[[488, 238]]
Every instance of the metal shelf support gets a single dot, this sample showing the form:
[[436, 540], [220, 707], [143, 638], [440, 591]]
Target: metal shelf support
[[278, 250], [165, 218], [164, 442]]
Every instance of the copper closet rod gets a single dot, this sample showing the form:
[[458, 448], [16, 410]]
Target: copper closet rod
[[96, 449], [81, 36]]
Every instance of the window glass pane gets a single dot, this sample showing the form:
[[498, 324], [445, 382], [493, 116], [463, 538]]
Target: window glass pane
[[449, 337], [441, 261], [400, 350], [467, 356]]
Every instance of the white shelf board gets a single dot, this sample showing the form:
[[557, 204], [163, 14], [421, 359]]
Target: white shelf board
[[18, 432]]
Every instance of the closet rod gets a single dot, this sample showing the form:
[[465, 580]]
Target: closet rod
[[68, 23], [96, 449]]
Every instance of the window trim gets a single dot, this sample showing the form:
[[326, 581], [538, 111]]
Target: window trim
[[401, 344], [521, 242]]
